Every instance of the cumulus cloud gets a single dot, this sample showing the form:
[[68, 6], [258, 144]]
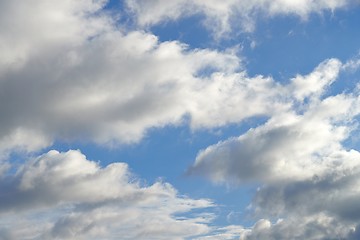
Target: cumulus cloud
[[308, 178], [74, 75], [291, 139], [222, 17], [70, 197], [55, 78]]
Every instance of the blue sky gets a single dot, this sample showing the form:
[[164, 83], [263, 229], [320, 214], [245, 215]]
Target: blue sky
[[182, 119]]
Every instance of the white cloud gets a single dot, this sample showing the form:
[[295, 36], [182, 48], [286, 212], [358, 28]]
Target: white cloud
[[316, 82], [306, 174], [96, 82], [294, 139], [93, 81], [222, 17], [35, 28], [70, 197]]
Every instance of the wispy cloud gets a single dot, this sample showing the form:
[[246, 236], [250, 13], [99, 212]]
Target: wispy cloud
[[223, 17]]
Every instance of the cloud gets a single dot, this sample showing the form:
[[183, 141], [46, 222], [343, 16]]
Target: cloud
[[332, 192], [70, 197], [307, 177], [68, 72], [291, 139], [225, 233], [223, 17], [314, 84], [56, 78], [311, 227], [75, 75]]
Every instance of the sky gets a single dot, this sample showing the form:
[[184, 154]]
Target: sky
[[183, 119]]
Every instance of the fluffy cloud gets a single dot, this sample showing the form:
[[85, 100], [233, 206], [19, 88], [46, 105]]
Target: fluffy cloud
[[223, 17], [306, 174], [264, 152], [56, 78], [74, 75], [70, 197], [291, 139]]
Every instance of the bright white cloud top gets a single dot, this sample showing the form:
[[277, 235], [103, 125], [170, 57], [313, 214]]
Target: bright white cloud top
[[94, 72]]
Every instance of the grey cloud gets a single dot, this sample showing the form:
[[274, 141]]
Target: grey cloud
[[332, 194], [320, 227], [355, 234], [5, 234]]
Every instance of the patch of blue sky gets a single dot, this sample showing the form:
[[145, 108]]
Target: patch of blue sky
[[117, 9], [347, 81], [189, 30], [114, 5], [286, 46]]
